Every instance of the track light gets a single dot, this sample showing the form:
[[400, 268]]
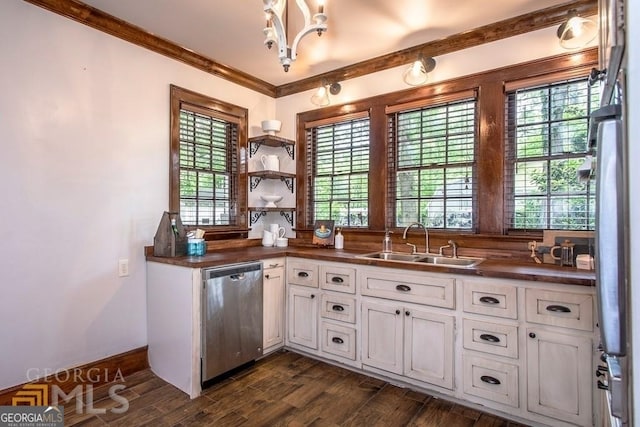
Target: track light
[[321, 96], [417, 73], [576, 32]]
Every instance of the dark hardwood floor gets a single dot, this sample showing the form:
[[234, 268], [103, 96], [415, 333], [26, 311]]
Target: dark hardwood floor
[[284, 389]]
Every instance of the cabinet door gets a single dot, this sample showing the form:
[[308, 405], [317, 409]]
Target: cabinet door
[[273, 308], [382, 336], [428, 354], [303, 317], [559, 375]]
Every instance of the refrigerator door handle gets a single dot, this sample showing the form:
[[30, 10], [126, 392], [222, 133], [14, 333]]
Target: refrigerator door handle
[[610, 243]]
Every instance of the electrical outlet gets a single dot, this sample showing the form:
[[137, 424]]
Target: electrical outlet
[[123, 268]]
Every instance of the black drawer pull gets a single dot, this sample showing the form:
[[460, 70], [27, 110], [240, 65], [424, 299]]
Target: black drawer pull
[[303, 274], [490, 380], [489, 300], [337, 307], [336, 279], [403, 288], [337, 340], [489, 337], [558, 309]]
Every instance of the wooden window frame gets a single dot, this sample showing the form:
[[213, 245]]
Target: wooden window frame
[[491, 136], [225, 111]]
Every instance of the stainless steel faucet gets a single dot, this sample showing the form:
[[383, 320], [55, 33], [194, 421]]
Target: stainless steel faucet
[[426, 236], [454, 247]]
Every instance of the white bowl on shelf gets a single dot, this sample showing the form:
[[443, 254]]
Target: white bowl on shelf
[[271, 200], [271, 126]]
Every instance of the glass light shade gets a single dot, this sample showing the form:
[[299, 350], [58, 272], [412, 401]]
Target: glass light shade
[[415, 74], [577, 32], [321, 97]]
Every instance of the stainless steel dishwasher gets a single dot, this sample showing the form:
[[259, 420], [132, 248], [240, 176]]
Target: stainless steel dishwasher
[[232, 317]]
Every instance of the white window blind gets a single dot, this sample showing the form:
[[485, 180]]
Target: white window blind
[[432, 160], [208, 175], [338, 171], [546, 143]]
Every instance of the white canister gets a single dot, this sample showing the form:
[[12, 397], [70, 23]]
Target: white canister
[[270, 162]]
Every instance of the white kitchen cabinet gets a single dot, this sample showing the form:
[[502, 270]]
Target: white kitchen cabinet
[[560, 375], [273, 292], [303, 317], [408, 341]]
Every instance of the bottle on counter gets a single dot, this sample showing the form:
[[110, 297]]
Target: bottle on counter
[[339, 239], [386, 242]]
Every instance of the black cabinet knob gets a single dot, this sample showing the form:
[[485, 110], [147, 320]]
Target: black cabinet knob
[[312, 296], [397, 311], [532, 335], [266, 276]]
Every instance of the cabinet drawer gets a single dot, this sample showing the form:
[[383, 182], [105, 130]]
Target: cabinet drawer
[[339, 279], [303, 273], [564, 309], [491, 380], [501, 340], [490, 299], [273, 263], [338, 340], [338, 307], [423, 289]]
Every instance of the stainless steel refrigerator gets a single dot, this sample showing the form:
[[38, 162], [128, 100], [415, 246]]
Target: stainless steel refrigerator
[[609, 143]]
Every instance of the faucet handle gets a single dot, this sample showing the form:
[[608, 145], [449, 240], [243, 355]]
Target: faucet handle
[[414, 249], [454, 246]]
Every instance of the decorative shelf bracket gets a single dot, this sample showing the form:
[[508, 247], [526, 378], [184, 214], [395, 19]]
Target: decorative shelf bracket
[[255, 216], [288, 181], [288, 216], [255, 180]]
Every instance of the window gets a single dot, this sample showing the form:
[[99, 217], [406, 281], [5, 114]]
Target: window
[[432, 156], [207, 187], [338, 170], [546, 144]]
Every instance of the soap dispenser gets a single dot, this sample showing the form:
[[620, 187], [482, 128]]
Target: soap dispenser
[[339, 239], [386, 242]]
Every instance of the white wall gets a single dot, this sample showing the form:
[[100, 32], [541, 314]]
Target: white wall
[[84, 137]]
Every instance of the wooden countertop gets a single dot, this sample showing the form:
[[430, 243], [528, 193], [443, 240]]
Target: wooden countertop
[[488, 268]]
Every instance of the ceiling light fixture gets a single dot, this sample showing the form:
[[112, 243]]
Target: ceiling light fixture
[[417, 73], [321, 96], [576, 32], [277, 26]]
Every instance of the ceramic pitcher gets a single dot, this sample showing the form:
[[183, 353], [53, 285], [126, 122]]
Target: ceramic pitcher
[[267, 238], [270, 162]]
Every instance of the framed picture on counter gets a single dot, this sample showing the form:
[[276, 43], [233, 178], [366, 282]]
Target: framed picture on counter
[[323, 233]]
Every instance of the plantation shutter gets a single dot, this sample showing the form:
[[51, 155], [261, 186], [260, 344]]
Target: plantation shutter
[[431, 157], [338, 170], [547, 126]]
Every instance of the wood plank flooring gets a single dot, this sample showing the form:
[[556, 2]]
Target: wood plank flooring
[[284, 389]]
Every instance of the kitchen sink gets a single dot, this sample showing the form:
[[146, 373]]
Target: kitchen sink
[[392, 256], [429, 259], [450, 262]]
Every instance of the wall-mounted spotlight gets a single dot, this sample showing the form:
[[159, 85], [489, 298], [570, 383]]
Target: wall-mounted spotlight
[[321, 96], [576, 32], [417, 73]]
